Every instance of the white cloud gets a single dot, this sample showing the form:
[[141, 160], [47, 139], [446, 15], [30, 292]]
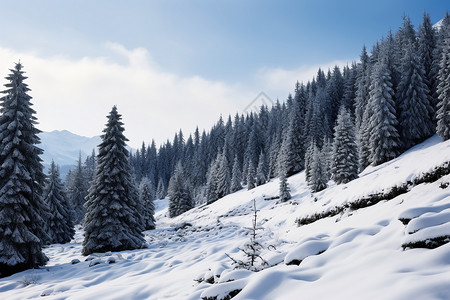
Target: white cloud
[[78, 94], [279, 80]]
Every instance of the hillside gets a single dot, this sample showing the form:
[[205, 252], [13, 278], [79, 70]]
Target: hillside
[[356, 253]]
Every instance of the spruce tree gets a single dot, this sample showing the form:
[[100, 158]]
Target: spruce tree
[[292, 149], [318, 178], [426, 39], [160, 192], [236, 176], [415, 115], [251, 176], [285, 194], [261, 172], [180, 199], [146, 197], [443, 89], [60, 225], [211, 183], [77, 192], [223, 176], [113, 219], [22, 211], [345, 151], [382, 124]]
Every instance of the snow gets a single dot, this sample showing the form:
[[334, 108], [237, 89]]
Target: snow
[[361, 254]]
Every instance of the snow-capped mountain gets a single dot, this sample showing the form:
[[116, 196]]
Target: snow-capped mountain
[[64, 147]]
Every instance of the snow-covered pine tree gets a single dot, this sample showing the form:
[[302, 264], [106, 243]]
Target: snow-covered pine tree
[[89, 168], [60, 226], [180, 199], [236, 176], [292, 153], [211, 182], [285, 194], [326, 155], [318, 178], [251, 176], [146, 196], [77, 192], [308, 161], [261, 170], [23, 213], [382, 124], [223, 176], [113, 220], [415, 115], [443, 89], [345, 151], [426, 39], [362, 88], [160, 192]]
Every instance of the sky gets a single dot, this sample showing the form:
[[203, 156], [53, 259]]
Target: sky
[[174, 64]]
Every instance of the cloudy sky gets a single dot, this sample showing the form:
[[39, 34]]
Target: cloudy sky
[[177, 64]]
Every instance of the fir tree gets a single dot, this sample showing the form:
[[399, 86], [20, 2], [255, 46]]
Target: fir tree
[[318, 178], [414, 101], [236, 176], [426, 39], [211, 183], [443, 89], [160, 193], [261, 170], [113, 219], [345, 151], [285, 194], [292, 149], [60, 226], [223, 176], [22, 211], [251, 180], [382, 124], [180, 199], [146, 197], [77, 192]]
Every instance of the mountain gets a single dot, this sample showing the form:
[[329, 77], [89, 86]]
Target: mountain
[[64, 147], [376, 237]]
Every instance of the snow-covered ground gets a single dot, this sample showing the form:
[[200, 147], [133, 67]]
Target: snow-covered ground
[[354, 255]]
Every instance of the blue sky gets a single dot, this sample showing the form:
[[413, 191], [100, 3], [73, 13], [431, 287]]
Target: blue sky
[[222, 52]]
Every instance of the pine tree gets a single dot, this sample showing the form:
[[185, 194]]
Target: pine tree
[[160, 192], [443, 89], [251, 174], [236, 176], [426, 39], [382, 124], [261, 170], [292, 149], [308, 161], [146, 197], [113, 219], [60, 226], [345, 151], [318, 178], [22, 211], [285, 194], [77, 192], [180, 199], [413, 101], [223, 176], [211, 183]]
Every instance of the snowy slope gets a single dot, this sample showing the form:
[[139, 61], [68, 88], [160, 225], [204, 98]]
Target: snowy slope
[[64, 148], [361, 254]]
